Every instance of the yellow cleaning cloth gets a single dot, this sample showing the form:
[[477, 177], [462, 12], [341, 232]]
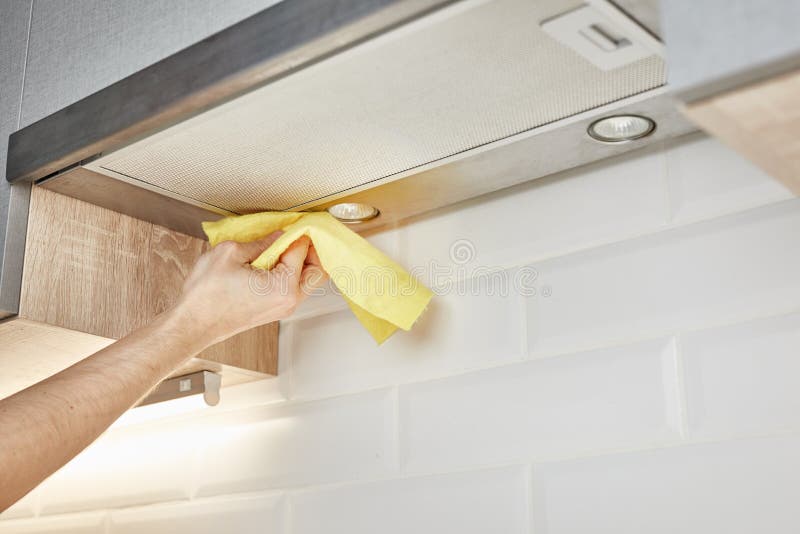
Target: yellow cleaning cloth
[[382, 295]]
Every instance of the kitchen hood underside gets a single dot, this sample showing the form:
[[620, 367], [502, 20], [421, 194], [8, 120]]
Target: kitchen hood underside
[[469, 98]]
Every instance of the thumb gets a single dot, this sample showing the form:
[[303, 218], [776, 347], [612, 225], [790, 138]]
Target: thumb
[[248, 252]]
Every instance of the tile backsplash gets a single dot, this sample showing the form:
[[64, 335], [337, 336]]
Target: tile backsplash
[[641, 379]]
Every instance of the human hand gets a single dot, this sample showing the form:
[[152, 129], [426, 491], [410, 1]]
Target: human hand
[[224, 295]]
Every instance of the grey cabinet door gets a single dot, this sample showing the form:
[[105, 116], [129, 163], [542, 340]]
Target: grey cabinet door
[[714, 45], [14, 19], [81, 46]]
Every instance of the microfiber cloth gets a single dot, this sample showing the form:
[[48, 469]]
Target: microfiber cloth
[[381, 294]]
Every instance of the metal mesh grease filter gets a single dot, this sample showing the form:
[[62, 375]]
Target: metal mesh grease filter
[[474, 73]]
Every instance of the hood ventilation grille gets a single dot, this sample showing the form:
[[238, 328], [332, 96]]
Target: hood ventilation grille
[[469, 75]]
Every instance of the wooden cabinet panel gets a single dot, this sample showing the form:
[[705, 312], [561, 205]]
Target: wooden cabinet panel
[[96, 271], [171, 257], [77, 48], [86, 268]]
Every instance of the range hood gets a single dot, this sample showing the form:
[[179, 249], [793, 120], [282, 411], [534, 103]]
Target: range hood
[[405, 105]]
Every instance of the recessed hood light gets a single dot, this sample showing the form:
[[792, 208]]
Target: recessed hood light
[[353, 212], [621, 128]]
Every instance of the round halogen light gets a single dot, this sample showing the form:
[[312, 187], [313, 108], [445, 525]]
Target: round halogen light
[[353, 212], [621, 128]]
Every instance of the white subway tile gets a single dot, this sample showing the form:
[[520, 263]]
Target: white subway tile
[[730, 487], [242, 515], [743, 378], [153, 414], [341, 439], [463, 503], [134, 465], [555, 407], [265, 391], [387, 240], [85, 523], [710, 273], [333, 354], [324, 300], [706, 178], [593, 204]]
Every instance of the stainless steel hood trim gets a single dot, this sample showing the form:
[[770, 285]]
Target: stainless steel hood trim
[[273, 43], [560, 146], [498, 165], [133, 200]]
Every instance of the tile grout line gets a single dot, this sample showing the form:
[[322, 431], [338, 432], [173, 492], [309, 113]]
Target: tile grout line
[[289, 392], [288, 510], [671, 388], [669, 204], [25, 64], [395, 434], [529, 497], [375, 479], [522, 304], [683, 392]]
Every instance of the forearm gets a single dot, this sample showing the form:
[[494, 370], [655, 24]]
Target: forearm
[[45, 425]]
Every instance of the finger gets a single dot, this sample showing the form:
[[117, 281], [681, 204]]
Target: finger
[[248, 252], [311, 278], [293, 258], [312, 258]]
